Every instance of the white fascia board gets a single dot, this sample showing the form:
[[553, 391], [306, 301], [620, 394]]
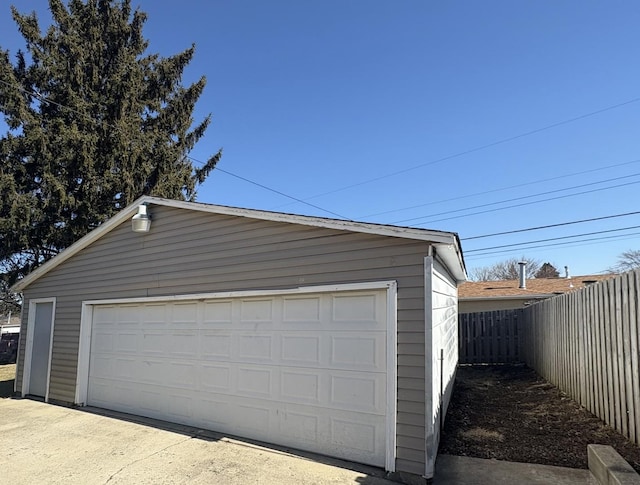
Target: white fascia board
[[338, 224], [452, 256], [440, 238]]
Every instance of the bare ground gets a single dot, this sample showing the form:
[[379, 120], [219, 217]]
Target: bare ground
[[510, 413]]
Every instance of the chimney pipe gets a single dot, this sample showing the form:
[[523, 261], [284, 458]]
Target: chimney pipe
[[523, 274], [566, 272]]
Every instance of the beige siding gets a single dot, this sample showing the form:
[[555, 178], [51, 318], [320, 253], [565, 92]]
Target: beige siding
[[194, 252]]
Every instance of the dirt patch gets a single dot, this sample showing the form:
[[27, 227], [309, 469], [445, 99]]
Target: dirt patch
[[7, 378], [510, 413]]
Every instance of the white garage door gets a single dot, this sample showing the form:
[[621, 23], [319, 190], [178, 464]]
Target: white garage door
[[305, 371]]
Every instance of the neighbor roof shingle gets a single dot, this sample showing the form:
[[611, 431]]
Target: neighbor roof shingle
[[535, 286]]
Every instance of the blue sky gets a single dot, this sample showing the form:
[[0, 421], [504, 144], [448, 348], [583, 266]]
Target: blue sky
[[378, 111]]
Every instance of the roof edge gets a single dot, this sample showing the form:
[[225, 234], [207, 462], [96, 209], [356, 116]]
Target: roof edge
[[448, 243], [80, 244], [340, 224]]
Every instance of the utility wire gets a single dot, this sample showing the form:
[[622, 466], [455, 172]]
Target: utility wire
[[275, 191], [110, 125], [528, 203], [479, 148], [552, 239], [514, 199], [621, 237], [551, 225], [501, 189]]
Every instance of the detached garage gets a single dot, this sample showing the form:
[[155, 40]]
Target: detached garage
[[330, 336]]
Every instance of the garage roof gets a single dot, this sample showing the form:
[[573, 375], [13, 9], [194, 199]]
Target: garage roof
[[447, 244]]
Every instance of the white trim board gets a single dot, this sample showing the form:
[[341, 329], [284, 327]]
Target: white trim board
[[84, 351], [448, 242], [26, 374]]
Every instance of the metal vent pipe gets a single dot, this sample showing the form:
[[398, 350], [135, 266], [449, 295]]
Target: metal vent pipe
[[523, 274]]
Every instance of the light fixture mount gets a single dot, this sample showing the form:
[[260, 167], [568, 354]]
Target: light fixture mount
[[141, 222]]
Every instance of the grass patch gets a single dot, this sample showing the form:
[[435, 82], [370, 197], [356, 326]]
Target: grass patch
[[481, 434], [7, 379]]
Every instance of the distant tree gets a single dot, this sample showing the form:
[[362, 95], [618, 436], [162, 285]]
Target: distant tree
[[94, 122], [627, 261], [547, 270], [505, 270]]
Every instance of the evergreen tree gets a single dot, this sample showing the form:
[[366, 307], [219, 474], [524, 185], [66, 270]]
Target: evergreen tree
[[547, 270], [94, 122]]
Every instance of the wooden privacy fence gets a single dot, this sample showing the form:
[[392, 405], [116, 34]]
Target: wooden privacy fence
[[490, 337], [588, 344]]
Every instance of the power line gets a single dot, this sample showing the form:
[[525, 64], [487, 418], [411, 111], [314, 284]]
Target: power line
[[551, 225], [501, 189], [275, 191], [521, 198], [566, 243], [478, 148], [110, 125], [528, 203], [553, 239]]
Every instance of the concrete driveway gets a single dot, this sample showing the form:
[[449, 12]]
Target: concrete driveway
[[43, 443]]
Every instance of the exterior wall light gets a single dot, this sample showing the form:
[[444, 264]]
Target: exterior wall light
[[141, 222]]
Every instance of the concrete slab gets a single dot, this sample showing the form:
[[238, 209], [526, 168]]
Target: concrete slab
[[43, 443], [462, 470]]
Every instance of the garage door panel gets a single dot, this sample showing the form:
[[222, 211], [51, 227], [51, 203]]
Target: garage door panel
[[252, 347], [364, 393], [351, 350], [151, 401], [301, 426], [183, 343], [131, 315], [214, 413], [216, 313], [355, 308], [300, 348], [215, 345], [184, 314], [101, 367], [300, 386], [301, 371], [256, 311], [357, 436], [255, 420], [103, 341], [152, 343], [127, 342], [180, 407], [181, 375], [149, 314], [216, 378], [301, 310], [254, 382]]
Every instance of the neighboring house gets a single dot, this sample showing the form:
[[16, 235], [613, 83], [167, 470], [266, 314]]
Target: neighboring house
[[311, 333], [10, 320], [481, 296]]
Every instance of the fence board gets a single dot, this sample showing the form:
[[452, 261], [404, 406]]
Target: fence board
[[489, 337], [588, 344], [634, 337]]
